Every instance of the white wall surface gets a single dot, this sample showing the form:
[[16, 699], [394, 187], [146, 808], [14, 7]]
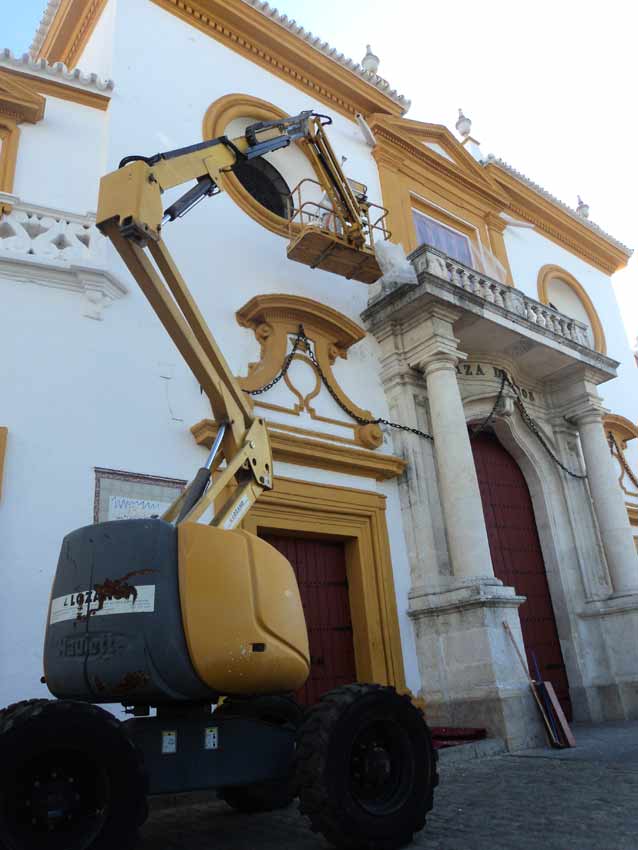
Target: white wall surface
[[61, 159], [79, 393], [97, 56], [528, 251]]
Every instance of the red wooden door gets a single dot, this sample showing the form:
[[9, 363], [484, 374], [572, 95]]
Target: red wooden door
[[517, 556], [320, 567]]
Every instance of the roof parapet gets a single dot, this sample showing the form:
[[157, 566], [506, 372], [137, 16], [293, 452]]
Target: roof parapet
[[58, 70], [491, 159], [331, 52]]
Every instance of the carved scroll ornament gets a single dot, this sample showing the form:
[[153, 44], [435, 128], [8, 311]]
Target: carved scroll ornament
[[274, 319]]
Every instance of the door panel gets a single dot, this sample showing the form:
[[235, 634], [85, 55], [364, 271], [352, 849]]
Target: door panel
[[517, 556], [320, 567]]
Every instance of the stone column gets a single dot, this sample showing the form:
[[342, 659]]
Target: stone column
[[458, 485], [609, 504]]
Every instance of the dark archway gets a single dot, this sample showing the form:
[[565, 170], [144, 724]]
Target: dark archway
[[517, 556]]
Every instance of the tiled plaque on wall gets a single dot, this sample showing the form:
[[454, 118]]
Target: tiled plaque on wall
[[127, 495]]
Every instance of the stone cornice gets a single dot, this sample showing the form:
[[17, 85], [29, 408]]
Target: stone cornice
[[251, 28], [405, 137], [531, 202], [65, 28], [316, 453], [255, 32]]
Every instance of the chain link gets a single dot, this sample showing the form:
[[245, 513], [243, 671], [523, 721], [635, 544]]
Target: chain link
[[613, 444], [533, 427], [527, 419], [360, 420], [283, 371], [488, 418]]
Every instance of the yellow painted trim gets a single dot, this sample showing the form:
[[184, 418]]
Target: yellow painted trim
[[623, 429], [18, 104], [456, 192], [548, 273], [273, 318], [218, 116], [53, 88], [557, 224], [18, 101], [10, 139], [317, 453], [4, 433], [248, 32], [70, 30], [358, 518]]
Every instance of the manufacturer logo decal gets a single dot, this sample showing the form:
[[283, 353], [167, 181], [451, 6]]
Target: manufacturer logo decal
[[89, 603]]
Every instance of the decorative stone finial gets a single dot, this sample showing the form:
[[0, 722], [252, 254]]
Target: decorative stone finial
[[463, 125], [370, 62], [582, 209]]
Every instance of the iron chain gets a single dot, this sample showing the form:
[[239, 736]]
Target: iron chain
[[488, 418], [533, 427], [283, 371], [527, 419], [360, 420], [613, 444]]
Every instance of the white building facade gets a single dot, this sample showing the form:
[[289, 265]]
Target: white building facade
[[504, 344]]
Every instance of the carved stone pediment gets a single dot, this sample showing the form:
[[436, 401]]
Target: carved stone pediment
[[276, 318]]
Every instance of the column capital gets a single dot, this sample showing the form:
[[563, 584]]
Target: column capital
[[583, 409], [588, 416], [439, 360], [434, 340]]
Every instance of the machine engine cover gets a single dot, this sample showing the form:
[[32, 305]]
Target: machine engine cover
[[242, 613], [114, 630], [142, 612]]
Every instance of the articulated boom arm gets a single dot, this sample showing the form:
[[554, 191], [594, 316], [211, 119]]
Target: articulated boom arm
[[131, 214]]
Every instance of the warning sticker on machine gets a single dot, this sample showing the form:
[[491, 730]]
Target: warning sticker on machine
[[169, 742], [211, 738], [135, 599]]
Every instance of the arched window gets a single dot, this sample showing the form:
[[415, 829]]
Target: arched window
[[560, 289], [261, 187]]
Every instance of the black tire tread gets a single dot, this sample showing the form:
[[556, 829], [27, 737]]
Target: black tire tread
[[21, 713], [310, 757]]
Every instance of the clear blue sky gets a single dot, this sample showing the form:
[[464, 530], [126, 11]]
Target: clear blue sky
[[19, 23], [550, 86]]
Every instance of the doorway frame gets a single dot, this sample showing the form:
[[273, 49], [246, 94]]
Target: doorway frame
[[357, 517]]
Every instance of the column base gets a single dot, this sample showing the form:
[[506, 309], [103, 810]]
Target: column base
[[613, 692], [470, 672]]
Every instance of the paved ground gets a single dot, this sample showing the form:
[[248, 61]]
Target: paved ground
[[581, 799]]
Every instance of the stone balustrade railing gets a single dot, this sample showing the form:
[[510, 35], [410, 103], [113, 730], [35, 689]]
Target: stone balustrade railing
[[55, 248], [47, 234], [426, 259]]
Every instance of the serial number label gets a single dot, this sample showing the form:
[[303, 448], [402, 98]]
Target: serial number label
[[237, 513], [89, 603]]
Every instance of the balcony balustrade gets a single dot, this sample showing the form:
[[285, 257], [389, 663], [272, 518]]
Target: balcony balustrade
[[500, 296]]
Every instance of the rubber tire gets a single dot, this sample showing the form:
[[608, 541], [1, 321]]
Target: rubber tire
[[322, 763], [263, 796], [28, 728]]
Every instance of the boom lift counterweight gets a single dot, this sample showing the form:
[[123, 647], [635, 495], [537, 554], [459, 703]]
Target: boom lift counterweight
[[173, 614]]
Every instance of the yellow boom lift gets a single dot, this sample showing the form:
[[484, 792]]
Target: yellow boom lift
[[198, 628]]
